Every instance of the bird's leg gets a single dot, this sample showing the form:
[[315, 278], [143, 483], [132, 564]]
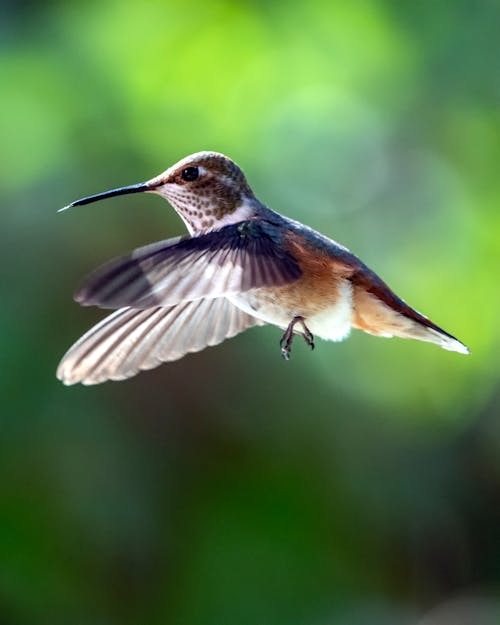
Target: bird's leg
[[287, 338], [308, 335]]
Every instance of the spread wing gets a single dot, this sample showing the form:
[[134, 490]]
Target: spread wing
[[233, 259], [130, 340]]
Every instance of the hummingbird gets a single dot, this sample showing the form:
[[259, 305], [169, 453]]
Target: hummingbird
[[241, 265]]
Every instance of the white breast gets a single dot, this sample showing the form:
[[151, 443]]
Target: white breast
[[334, 323]]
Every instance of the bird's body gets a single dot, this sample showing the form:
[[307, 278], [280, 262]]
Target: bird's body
[[242, 265], [322, 294]]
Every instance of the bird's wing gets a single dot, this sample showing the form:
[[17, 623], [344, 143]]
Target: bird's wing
[[130, 340], [236, 258]]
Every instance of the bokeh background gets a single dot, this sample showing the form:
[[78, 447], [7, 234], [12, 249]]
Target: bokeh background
[[359, 484]]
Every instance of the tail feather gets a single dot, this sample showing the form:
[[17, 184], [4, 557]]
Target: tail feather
[[382, 313], [442, 338]]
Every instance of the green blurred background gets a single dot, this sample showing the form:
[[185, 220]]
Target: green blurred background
[[359, 484]]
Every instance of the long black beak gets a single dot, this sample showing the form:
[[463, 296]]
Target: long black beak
[[133, 188]]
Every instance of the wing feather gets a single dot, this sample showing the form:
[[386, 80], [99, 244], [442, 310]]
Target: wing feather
[[230, 260], [130, 340]]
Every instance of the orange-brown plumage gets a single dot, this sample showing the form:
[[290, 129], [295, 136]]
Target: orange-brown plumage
[[318, 285]]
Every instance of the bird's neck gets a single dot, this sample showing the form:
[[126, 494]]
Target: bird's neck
[[200, 222]]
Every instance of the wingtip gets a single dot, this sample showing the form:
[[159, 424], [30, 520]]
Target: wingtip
[[83, 297], [61, 376], [78, 297]]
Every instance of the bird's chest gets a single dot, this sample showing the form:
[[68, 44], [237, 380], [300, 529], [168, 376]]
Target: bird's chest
[[325, 306]]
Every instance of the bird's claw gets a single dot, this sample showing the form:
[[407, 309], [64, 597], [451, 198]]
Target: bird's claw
[[285, 353], [288, 336]]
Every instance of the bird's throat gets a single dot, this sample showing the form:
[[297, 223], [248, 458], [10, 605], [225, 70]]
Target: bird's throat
[[210, 216]]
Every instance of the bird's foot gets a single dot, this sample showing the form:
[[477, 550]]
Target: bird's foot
[[308, 335], [288, 336]]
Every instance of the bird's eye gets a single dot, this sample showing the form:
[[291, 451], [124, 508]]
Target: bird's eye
[[190, 173]]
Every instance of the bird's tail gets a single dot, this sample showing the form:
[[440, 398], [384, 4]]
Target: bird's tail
[[382, 313], [434, 334]]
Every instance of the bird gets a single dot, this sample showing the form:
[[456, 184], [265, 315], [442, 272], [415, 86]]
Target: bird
[[241, 265]]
